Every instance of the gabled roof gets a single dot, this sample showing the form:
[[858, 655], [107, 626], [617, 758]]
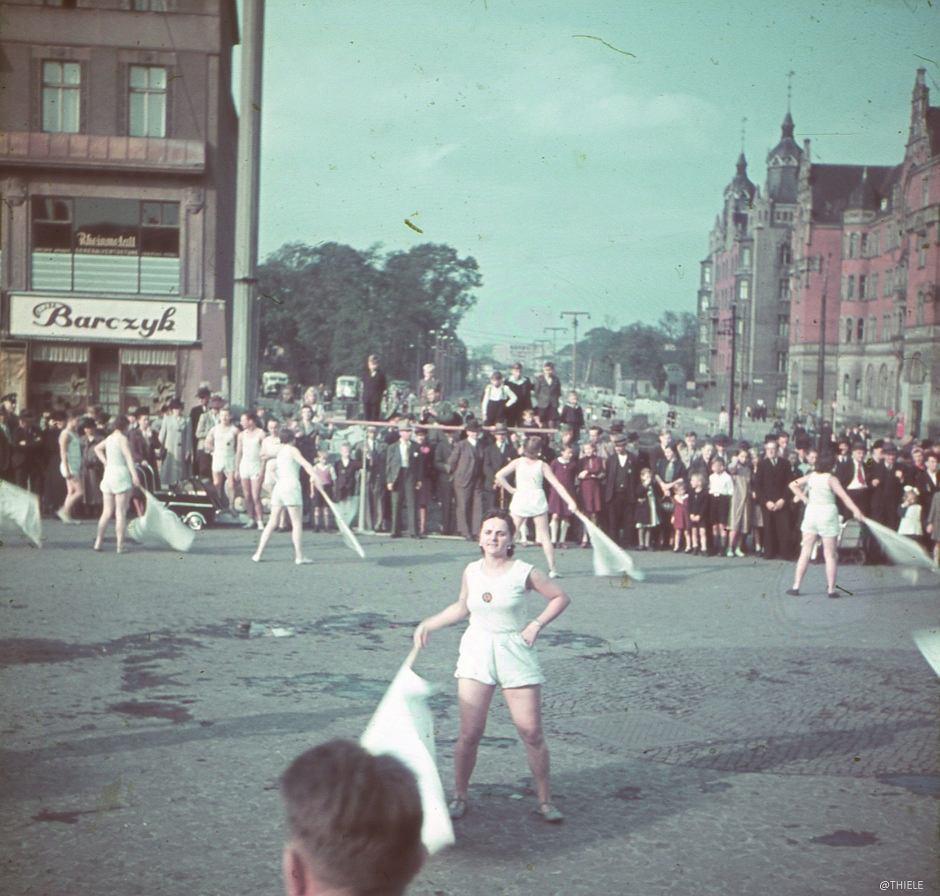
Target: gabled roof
[[840, 187]]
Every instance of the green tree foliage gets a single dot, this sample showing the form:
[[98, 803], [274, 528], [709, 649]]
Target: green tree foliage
[[640, 349], [325, 308]]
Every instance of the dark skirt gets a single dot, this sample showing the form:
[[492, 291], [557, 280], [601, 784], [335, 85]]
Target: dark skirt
[[719, 509]]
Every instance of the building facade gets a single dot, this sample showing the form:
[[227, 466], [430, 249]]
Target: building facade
[[743, 297], [118, 136], [865, 315]]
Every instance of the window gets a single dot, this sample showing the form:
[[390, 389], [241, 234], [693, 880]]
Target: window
[[147, 101], [922, 255], [875, 244], [845, 287], [783, 326], [845, 386], [864, 245], [853, 246], [882, 397], [149, 5], [860, 330], [862, 286], [857, 390], [848, 329], [886, 327], [925, 191], [706, 274], [872, 327], [746, 257], [850, 294], [870, 386], [781, 362], [874, 285], [785, 257], [783, 289], [920, 308], [744, 289], [888, 280], [61, 97]]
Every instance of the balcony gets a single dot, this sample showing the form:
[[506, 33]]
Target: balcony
[[73, 151]]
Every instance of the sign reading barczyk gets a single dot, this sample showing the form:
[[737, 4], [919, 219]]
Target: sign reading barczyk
[[95, 320]]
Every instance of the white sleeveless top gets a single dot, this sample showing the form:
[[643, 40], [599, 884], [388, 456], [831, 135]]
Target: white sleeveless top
[[819, 494], [223, 442], [529, 474], [497, 603]]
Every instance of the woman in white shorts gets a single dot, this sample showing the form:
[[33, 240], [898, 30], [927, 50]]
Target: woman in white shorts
[[287, 495], [498, 650], [528, 496], [220, 443], [120, 475], [248, 465], [70, 466], [270, 446], [820, 520]]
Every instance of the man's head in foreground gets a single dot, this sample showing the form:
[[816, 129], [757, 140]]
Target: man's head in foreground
[[354, 823]]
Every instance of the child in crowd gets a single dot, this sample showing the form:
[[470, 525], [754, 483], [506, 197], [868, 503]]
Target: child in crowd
[[590, 478], [909, 513], [647, 511], [680, 518], [573, 414], [698, 514], [565, 469], [323, 473], [720, 489]]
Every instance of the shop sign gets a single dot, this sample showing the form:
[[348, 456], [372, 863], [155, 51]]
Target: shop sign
[[99, 320], [89, 242]]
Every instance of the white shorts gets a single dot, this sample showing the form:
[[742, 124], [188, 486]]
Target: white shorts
[[822, 521], [223, 464], [528, 502], [249, 469], [497, 659]]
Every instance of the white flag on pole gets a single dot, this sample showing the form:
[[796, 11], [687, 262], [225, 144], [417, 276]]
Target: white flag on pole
[[160, 526], [19, 510], [342, 525], [609, 558], [928, 643], [403, 727], [901, 550]]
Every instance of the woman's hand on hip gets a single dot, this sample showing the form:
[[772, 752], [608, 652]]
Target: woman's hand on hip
[[530, 633]]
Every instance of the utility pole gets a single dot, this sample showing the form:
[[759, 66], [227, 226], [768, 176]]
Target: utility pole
[[734, 339], [243, 368], [574, 315], [553, 331]]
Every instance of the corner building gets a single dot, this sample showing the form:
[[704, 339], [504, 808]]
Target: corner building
[[118, 137], [747, 269], [865, 317]]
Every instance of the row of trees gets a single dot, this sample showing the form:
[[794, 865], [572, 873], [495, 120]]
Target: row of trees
[[324, 308]]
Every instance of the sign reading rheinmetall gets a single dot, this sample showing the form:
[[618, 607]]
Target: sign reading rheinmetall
[[95, 320]]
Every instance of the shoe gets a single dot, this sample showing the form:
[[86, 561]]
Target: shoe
[[255, 558], [97, 545], [260, 525], [832, 594], [793, 592], [739, 553], [553, 574], [62, 515], [550, 814], [688, 550], [457, 807], [302, 561], [729, 553]]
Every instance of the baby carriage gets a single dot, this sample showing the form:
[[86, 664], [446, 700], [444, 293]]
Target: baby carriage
[[195, 501], [852, 542]]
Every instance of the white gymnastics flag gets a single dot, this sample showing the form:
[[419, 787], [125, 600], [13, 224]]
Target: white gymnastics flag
[[928, 642], [609, 558], [341, 524], [403, 727], [19, 510], [900, 550], [160, 526]]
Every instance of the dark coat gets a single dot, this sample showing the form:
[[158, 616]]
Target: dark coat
[[373, 387], [345, 479], [628, 491], [495, 457], [393, 466], [886, 496], [374, 460], [465, 464], [545, 394], [772, 481]]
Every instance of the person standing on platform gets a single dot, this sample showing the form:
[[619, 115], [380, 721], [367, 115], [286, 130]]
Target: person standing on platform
[[428, 382], [772, 492], [573, 414], [546, 396], [374, 387], [591, 476], [465, 467], [402, 471], [521, 387], [424, 478], [497, 399]]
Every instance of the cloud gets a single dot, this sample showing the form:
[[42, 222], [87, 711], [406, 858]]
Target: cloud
[[426, 157]]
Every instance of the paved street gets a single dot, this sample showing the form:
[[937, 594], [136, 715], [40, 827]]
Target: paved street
[[709, 735]]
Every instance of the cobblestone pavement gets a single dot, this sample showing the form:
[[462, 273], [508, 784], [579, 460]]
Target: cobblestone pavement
[[709, 735]]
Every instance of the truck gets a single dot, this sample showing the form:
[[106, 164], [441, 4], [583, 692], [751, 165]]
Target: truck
[[272, 381], [347, 395]]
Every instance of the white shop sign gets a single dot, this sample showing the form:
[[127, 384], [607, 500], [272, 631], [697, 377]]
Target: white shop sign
[[94, 319]]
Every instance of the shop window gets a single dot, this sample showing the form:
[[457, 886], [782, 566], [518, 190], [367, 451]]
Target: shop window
[[58, 376], [148, 377]]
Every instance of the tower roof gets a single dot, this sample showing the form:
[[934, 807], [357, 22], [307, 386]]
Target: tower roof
[[741, 185], [787, 151]]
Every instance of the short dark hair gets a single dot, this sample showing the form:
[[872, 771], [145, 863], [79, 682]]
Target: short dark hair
[[121, 423], [357, 817], [498, 514], [287, 436]]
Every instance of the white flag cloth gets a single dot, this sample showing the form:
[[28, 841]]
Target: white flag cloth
[[19, 510], [900, 549], [609, 558], [403, 727], [342, 525], [928, 642], [160, 526]]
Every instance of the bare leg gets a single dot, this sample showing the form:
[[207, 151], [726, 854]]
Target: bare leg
[[107, 511], [525, 707], [230, 488], [268, 531], [474, 698], [832, 563], [74, 494], [254, 486], [296, 532], [521, 536], [218, 480], [121, 503], [541, 534], [249, 498], [806, 548]]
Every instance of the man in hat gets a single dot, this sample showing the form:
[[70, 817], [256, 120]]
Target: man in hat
[[203, 394], [497, 454], [403, 469], [465, 467], [207, 422], [641, 459], [602, 448], [435, 411], [371, 455], [620, 491], [443, 448], [887, 488]]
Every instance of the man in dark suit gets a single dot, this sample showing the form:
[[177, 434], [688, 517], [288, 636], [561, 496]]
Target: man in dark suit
[[465, 467], [619, 492], [887, 489], [403, 468], [371, 454], [546, 395], [772, 492], [374, 387], [443, 449], [927, 483], [497, 454], [203, 394]]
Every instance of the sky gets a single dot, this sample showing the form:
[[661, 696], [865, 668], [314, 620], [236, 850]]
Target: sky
[[577, 150]]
